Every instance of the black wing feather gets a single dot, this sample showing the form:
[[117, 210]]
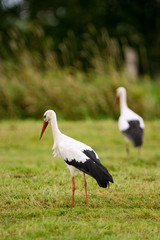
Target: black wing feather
[[134, 133], [93, 167], [92, 156]]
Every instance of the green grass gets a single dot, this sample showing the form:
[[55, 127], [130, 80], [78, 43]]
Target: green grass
[[35, 189]]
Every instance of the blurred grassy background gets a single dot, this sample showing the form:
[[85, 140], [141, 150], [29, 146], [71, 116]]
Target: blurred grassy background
[[34, 82], [71, 56]]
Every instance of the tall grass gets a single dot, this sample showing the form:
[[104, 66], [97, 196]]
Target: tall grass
[[34, 81]]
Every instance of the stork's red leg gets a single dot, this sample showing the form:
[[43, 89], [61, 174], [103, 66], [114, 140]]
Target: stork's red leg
[[73, 190], [85, 185], [127, 150], [139, 151]]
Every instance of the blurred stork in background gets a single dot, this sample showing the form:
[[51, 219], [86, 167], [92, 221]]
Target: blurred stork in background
[[130, 124]]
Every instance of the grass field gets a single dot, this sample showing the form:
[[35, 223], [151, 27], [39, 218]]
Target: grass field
[[35, 189]]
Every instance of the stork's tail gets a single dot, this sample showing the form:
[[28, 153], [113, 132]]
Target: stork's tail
[[102, 176], [95, 170]]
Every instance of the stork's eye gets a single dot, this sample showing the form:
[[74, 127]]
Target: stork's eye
[[44, 117]]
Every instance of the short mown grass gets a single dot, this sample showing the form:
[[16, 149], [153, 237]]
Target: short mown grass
[[35, 189]]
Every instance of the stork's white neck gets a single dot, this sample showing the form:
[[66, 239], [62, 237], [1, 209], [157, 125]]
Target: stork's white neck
[[123, 102], [55, 130]]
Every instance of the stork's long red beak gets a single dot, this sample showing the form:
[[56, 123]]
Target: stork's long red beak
[[115, 103], [43, 128]]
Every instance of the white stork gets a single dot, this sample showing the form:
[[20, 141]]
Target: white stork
[[130, 123], [77, 155]]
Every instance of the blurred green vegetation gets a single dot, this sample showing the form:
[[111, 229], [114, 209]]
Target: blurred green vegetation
[[131, 23], [33, 81], [69, 56], [27, 89]]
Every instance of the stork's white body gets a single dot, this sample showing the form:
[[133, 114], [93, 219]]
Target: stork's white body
[[69, 148], [126, 116]]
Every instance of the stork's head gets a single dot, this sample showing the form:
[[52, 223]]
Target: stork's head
[[121, 91], [48, 115]]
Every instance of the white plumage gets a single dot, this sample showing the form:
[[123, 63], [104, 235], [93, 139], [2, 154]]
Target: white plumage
[[77, 155], [69, 148], [126, 116], [129, 123]]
